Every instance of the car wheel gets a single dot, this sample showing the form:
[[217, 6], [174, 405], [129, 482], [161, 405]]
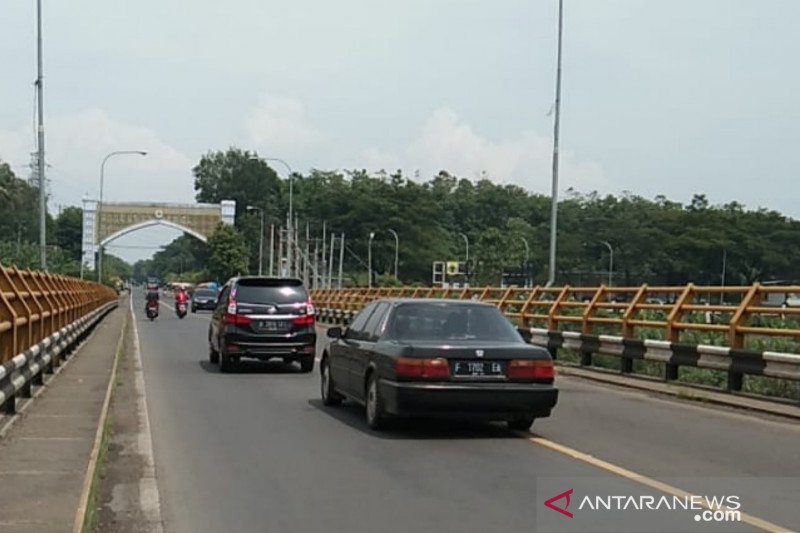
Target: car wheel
[[329, 395], [225, 362], [307, 364], [376, 416], [520, 422], [213, 355]]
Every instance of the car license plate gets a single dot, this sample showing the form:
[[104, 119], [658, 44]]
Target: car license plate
[[479, 369], [273, 325]]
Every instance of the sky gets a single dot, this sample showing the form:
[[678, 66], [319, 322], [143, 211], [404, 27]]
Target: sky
[[672, 97]]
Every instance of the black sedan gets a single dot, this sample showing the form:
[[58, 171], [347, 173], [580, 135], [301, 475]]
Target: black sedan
[[449, 358], [204, 299]]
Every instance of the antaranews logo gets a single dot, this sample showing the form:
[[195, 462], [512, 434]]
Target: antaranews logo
[[725, 508]]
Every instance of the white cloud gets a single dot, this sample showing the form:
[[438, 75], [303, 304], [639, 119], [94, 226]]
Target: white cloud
[[446, 142], [76, 144], [279, 125]]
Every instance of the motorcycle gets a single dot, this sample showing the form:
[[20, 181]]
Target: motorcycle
[[180, 310], [152, 310]]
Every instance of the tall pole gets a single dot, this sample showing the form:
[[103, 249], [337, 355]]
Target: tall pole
[[610, 262], [100, 203], [466, 253], [330, 261], [527, 256], [40, 141], [724, 269], [271, 247], [341, 260], [290, 216], [554, 202], [324, 248], [396, 251], [369, 257]]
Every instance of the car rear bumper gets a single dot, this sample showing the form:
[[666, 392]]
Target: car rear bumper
[[255, 348], [204, 306], [491, 401]]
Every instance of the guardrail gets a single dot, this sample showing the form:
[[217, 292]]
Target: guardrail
[[650, 330], [42, 318]]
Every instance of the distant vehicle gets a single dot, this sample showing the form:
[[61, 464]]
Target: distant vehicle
[[449, 358], [263, 318], [781, 299], [204, 299]]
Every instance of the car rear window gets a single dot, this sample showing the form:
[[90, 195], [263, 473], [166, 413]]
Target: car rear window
[[450, 322], [261, 291], [205, 293]]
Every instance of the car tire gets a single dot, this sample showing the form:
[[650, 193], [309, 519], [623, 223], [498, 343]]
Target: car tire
[[213, 355], [520, 422], [225, 362], [375, 413], [328, 392], [307, 364]]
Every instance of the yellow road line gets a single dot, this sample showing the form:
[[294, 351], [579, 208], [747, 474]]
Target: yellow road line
[[652, 483]]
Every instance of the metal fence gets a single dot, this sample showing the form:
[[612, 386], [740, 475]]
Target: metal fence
[[34, 305], [726, 332]]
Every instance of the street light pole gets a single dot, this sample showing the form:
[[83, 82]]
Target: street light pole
[[40, 142], [554, 201], [466, 255], [396, 251], [260, 238], [527, 255], [610, 261], [290, 225], [100, 204], [369, 257]]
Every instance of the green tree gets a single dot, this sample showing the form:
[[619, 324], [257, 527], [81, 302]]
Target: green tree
[[69, 231], [228, 254]]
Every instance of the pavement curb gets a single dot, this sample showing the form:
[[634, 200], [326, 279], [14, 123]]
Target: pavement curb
[[696, 395], [88, 480]]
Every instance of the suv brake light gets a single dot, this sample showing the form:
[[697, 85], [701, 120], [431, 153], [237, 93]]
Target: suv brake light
[[413, 368], [304, 320], [237, 320], [526, 369]]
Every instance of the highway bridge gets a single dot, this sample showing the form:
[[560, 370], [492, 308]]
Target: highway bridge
[[255, 450]]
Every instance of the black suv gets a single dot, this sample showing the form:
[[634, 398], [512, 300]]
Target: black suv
[[263, 318]]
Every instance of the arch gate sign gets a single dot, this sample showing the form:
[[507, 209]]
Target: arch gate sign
[[115, 219]]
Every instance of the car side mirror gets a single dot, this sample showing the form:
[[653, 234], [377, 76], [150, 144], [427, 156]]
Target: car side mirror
[[335, 333], [525, 333]]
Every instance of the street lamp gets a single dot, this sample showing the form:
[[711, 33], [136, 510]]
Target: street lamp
[[396, 251], [290, 225], [551, 277], [100, 204], [466, 255], [527, 255], [610, 261], [369, 257], [260, 238]]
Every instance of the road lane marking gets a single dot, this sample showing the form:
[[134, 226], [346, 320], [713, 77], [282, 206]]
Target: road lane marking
[[643, 480], [149, 499]]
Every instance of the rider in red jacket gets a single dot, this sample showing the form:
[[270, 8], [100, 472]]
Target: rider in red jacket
[[181, 297]]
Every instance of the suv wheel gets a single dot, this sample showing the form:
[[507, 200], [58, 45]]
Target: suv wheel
[[225, 362], [213, 355], [520, 422]]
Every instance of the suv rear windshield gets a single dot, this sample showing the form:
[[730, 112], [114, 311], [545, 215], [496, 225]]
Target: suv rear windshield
[[270, 291], [451, 322]]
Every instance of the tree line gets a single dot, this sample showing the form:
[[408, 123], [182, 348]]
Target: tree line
[[656, 241]]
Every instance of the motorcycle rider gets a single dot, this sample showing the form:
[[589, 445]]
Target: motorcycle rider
[[181, 297], [152, 299]]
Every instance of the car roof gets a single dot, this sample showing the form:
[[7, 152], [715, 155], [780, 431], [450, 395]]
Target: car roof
[[274, 279]]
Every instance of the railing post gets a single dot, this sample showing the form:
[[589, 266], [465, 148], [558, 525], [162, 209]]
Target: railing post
[[735, 338], [25, 390], [671, 372], [10, 405]]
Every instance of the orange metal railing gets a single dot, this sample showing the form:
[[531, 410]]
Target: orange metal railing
[[34, 305], [729, 314]]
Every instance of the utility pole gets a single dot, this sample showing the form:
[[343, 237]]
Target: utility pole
[[341, 261], [271, 247], [330, 262], [551, 278], [40, 141], [324, 243]]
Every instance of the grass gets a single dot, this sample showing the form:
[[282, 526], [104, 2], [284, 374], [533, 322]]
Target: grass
[[90, 523]]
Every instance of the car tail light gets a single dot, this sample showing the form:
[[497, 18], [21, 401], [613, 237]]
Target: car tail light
[[413, 368], [304, 320], [531, 370], [232, 318]]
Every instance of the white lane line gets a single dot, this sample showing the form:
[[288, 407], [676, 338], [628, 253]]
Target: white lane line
[[149, 501]]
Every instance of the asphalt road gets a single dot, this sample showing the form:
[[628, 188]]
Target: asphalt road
[[257, 451]]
